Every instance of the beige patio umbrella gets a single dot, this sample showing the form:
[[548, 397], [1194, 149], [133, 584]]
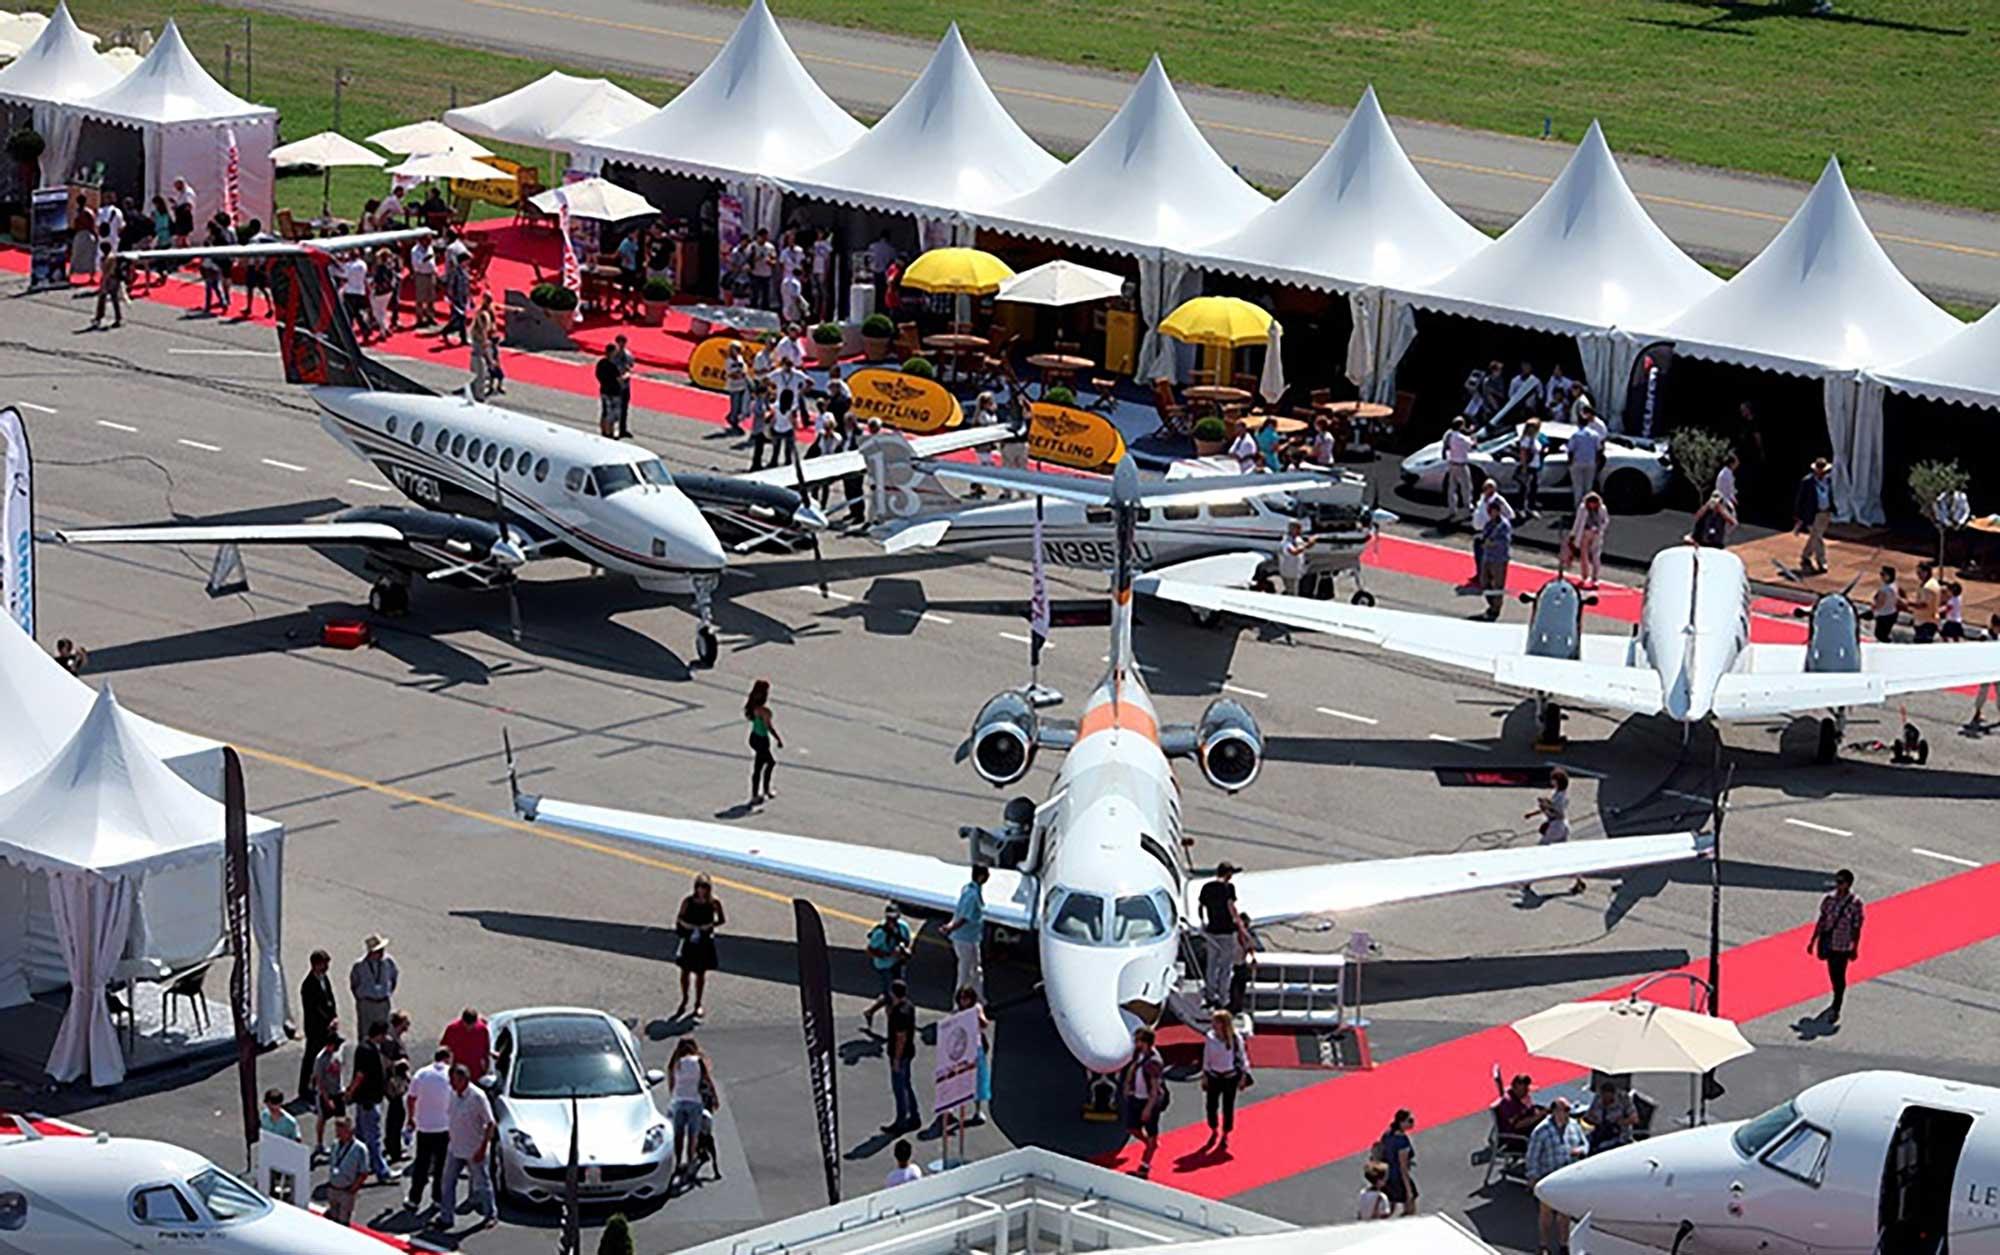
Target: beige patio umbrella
[[1632, 1035], [328, 148], [428, 136], [1059, 283], [598, 199], [446, 165]]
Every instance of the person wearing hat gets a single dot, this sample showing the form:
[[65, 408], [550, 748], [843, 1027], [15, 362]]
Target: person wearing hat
[[1222, 931], [889, 952], [1812, 510], [372, 980]]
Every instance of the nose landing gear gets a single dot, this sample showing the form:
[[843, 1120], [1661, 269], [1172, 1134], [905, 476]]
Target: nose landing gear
[[1100, 1097], [707, 646]]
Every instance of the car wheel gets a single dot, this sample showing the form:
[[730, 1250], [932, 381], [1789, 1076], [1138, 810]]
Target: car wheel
[[1627, 492]]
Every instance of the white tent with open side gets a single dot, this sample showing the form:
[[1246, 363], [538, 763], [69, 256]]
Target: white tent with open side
[[1824, 301], [187, 126], [111, 868], [753, 113], [947, 147], [1585, 260], [555, 111], [58, 68]]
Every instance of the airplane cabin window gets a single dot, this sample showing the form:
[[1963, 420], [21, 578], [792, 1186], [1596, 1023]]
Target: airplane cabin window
[[1801, 1154], [13, 1211], [161, 1204], [1080, 918], [417, 433], [492, 454], [1180, 513], [444, 438], [457, 445], [525, 460], [1756, 1134], [472, 450], [614, 477], [391, 424], [507, 460], [225, 1197], [1232, 510], [1137, 919], [541, 470], [1097, 515]]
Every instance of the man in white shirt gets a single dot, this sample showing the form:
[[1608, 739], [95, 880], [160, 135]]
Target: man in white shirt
[[1491, 501], [428, 1106], [390, 211], [423, 282], [788, 351], [791, 297], [880, 254], [354, 292], [1725, 481], [822, 274], [1249, 458], [1586, 451], [1458, 468], [1292, 557], [792, 258], [1524, 385], [470, 1134], [763, 267], [110, 223]]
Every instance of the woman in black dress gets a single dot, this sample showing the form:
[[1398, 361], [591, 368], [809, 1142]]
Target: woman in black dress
[[700, 915]]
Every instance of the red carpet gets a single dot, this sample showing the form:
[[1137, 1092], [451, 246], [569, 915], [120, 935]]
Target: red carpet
[[1320, 1124]]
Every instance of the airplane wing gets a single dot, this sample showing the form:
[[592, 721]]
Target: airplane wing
[[1330, 888], [280, 248], [329, 533], [913, 879], [1095, 490], [1215, 570], [831, 466], [1775, 680]]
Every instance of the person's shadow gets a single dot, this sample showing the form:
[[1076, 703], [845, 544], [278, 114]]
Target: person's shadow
[[1814, 1027]]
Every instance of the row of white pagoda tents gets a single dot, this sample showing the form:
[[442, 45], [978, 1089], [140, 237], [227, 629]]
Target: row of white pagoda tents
[[166, 118], [1823, 301]]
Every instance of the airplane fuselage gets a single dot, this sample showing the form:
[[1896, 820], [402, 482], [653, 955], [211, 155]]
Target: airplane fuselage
[[1694, 625]]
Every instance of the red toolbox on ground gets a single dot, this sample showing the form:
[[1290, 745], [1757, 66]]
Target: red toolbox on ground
[[345, 634]]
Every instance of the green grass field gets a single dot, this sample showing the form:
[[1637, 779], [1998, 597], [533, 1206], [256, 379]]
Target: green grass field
[[393, 79], [1906, 91]]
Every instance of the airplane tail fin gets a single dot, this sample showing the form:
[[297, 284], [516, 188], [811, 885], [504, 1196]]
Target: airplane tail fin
[[1125, 506], [316, 338]]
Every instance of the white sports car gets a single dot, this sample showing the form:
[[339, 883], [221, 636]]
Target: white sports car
[[1634, 471], [544, 1055]]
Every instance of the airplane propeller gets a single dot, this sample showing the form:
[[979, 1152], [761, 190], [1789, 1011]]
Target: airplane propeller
[[506, 556]]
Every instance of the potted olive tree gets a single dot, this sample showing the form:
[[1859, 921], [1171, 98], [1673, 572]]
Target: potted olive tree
[[827, 339], [655, 295], [1211, 436], [876, 332]]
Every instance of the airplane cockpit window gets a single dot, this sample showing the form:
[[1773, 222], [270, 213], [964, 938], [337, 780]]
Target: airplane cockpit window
[[13, 1211], [613, 477], [654, 471], [1080, 918], [225, 1197], [1137, 919], [161, 1204], [1801, 1153], [1756, 1134], [573, 479]]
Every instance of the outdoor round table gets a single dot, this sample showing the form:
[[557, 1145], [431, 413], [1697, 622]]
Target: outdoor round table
[[954, 346], [1286, 426], [1216, 394], [1358, 418], [1058, 367]]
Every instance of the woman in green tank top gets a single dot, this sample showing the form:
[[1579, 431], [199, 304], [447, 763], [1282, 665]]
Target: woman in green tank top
[[763, 734]]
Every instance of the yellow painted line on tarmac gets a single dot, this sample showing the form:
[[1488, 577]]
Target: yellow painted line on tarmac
[[1079, 102], [534, 830]]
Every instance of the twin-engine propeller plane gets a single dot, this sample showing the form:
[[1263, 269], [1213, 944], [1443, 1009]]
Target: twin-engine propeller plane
[[1689, 658], [1098, 871], [493, 488]]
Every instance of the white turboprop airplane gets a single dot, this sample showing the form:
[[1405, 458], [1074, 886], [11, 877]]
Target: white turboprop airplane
[[107, 1195], [1098, 870], [1873, 1163], [1690, 656], [495, 488]]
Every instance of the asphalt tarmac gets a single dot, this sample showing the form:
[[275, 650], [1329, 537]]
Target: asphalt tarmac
[[385, 765]]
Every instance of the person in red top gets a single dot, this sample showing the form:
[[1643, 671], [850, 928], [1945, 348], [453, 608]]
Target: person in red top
[[469, 1042], [1836, 937]]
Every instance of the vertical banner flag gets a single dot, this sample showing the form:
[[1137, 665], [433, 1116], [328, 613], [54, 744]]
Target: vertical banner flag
[[572, 273], [236, 912], [232, 180], [17, 522], [571, 1241], [816, 1014]]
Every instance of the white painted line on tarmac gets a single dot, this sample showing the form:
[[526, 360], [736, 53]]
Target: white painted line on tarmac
[[196, 444], [1944, 858], [1239, 689], [1347, 715], [225, 352], [105, 422], [1452, 740], [370, 486], [1019, 639], [837, 595], [39, 409], [922, 615], [1808, 824], [283, 466]]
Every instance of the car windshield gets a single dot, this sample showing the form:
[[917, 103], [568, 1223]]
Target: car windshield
[[614, 477], [225, 1197], [1756, 1134], [1080, 918], [560, 1055]]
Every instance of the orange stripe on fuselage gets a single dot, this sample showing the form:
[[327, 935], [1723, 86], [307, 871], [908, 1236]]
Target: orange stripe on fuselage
[[1108, 716]]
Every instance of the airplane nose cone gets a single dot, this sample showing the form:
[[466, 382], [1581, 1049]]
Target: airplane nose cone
[[690, 541], [810, 516], [1574, 1190], [505, 553]]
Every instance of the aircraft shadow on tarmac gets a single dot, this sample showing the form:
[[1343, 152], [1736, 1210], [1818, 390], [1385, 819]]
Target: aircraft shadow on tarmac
[[1393, 981]]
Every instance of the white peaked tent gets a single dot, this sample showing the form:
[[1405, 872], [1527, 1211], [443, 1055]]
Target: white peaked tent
[[186, 122], [555, 111], [947, 147], [1148, 186], [1584, 260], [753, 114], [1362, 219], [1964, 370], [117, 861], [58, 68], [1822, 300]]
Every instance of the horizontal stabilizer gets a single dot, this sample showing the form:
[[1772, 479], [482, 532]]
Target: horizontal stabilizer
[[1632, 689]]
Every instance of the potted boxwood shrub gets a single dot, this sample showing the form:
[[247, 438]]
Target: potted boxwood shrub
[[827, 338], [876, 332], [1060, 395], [1210, 436], [657, 292], [920, 367], [553, 297]]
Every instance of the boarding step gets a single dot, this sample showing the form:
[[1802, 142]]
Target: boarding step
[[1302, 990]]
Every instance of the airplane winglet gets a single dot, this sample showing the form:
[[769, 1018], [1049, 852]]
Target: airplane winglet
[[525, 804]]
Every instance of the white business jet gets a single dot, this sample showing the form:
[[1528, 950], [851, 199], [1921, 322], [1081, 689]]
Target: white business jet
[[1690, 657], [1873, 1163], [107, 1195], [495, 488], [1098, 870]]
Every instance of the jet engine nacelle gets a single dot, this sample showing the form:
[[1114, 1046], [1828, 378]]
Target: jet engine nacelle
[[1229, 745], [1555, 627], [1003, 739]]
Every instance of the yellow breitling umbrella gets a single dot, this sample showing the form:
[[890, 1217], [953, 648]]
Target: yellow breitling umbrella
[[1226, 322], [965, 271]]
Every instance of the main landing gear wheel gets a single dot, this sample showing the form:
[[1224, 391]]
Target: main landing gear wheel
[[1829, 741], [1549, 726], [389, 597], [707, 647], [1362, 597]]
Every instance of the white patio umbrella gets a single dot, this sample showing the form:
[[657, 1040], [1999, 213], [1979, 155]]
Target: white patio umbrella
[[1271, 384], [1060, 283], [600, 200], [1632, 1035], [447, 165], [122, 59], [328, 148], [428, 136]]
